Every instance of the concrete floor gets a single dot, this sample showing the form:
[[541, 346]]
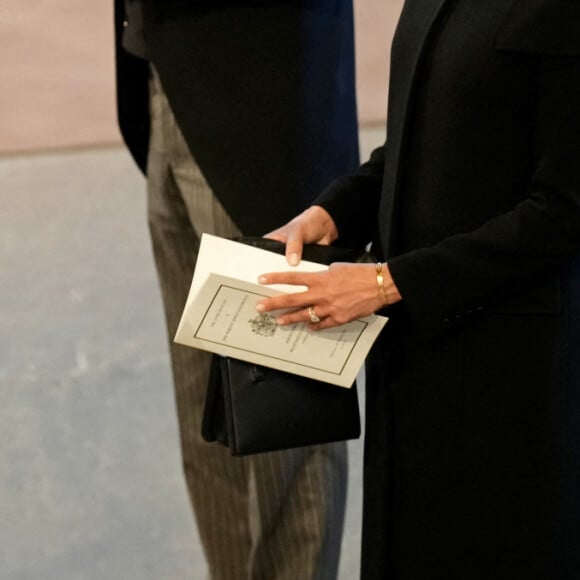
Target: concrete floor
[[90, 478]]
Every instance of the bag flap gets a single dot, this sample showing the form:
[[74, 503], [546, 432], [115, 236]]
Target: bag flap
[[311, 252]]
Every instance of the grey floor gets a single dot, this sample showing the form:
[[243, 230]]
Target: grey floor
[[90, 477]]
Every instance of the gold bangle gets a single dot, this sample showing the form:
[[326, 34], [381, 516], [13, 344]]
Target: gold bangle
[[381, 283]]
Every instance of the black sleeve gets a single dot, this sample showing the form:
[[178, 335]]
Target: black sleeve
[[517, 248], [353, 202], [132, 78]]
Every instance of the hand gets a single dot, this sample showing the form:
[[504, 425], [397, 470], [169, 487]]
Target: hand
[[336, 296], [312, 226]]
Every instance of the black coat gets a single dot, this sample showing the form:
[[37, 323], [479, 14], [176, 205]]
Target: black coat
[[472, 465], [263, 92]]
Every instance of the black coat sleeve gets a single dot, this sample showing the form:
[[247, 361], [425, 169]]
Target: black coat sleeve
[[353, 201], [515, 249]]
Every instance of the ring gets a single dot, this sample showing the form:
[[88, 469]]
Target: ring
[[313, 318]]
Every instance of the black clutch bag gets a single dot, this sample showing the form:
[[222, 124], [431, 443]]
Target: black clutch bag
[[251, 409]]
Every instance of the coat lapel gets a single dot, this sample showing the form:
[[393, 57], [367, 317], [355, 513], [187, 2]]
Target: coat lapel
[[417, 21]]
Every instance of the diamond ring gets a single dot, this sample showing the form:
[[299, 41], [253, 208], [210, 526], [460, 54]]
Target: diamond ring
[[313, 318]]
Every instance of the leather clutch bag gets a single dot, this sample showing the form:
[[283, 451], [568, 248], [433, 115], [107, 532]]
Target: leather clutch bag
[[251, 409]]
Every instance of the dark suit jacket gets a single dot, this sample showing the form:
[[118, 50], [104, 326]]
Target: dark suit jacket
[[473, 437], [263, 93]]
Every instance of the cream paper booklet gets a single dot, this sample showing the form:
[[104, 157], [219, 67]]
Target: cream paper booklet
[[220, 316]]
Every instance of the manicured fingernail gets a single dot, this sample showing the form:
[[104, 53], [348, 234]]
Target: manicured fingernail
[[293, 259], [260, 307], [262, 279]]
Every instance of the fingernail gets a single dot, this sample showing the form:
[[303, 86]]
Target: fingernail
[[262, 279], [293, 259], [260, 307], [279, 322]]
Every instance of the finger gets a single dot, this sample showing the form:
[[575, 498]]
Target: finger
[[293, 317], [303, 315], [294, 245], [292, 278], [277, 235], [283, 302]]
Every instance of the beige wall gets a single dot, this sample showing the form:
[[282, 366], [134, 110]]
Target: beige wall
[[58, 80], [57, 74], [375, 24]]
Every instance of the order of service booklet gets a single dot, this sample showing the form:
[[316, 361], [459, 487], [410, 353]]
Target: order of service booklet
[[220, 316]]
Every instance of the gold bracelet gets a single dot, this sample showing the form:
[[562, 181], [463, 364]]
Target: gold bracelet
[[381, 283]]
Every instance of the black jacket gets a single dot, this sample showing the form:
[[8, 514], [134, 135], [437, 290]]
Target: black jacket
[[473, 417], [263, 93]]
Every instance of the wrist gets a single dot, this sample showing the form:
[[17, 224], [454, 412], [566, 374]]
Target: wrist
[[386, 287]]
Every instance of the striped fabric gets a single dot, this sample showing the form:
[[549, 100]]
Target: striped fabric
[[274, 516]]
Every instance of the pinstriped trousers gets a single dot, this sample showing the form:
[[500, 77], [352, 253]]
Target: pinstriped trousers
[[273, 516]]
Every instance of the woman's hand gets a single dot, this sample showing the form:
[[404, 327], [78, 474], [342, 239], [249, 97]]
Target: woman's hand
[[336, 296], [312, 226]]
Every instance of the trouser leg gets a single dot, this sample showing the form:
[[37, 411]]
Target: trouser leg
[[275, 516], [217, 485], [300, 497]]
